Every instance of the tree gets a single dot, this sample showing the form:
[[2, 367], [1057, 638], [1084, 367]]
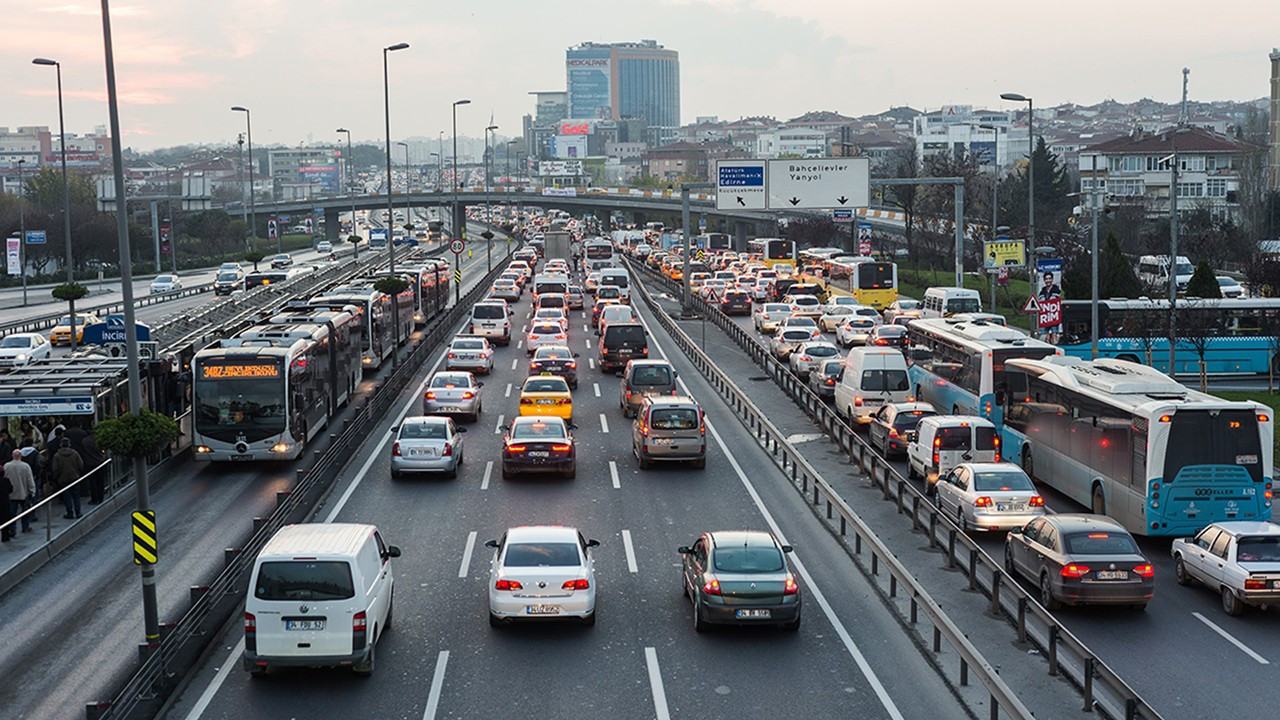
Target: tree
[[70, 293], [905, 163], [1198, 324], [1116, 278], [1205, 235], [1052, 190], [135, 435], [1203, 283], [391, 285], [1263, 273], [811, 231], [254, 257]]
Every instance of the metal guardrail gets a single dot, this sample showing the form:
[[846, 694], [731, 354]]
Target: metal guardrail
[[1100, 686], [48, 320], [165, 663], [818, 492]]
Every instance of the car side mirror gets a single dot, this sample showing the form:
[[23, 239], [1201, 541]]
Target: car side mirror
[[479, 383], [593, 543], [462, 429], [393, 551], [491, 544], [1015, 531], [675, 374], [787, 548], [572, 426], [683, 550], [394, 428], [504, 428]]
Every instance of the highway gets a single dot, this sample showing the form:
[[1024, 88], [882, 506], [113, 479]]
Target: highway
[[71, 627], [642, 658], [1183, 626]]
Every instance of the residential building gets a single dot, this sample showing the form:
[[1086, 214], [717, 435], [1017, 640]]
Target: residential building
[[694, 161], [956, 128], [791, 142], [305, 166], [40, 147]]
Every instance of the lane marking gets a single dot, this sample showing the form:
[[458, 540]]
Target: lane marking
[[206, 697], [466, 554], [584, 327], [1226, 635], [850, 646], [613, 473], [596, 388], [592, 362], [655, 684], [488, 470], [508, 392], [587, 341], [604, 423], [519, 346], [524, 329], [631, 552], [514, 361], [437, 681], [497, 427]]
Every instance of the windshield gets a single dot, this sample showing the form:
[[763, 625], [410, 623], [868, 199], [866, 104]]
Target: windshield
[[468, 344], [228, 277], [304, 580], [748, 559], [884, 380], [451, 380], [538, 430], [821, 350], [964, 305], [674, 418], [14, 341], [424, 431], [239, 398], [1259, 548], [1101, 543], [1001, 481], [1227, 438], [542, 554], [552, 353]]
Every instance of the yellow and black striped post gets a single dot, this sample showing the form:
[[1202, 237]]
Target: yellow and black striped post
[[145, 548], [457, 275]]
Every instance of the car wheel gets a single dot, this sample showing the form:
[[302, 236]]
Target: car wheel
[[699, 625], [1180, 571], [911, 471], [365, 667], [395, 474], [1231, 604], [571, 473], [1099, 501], [700, 463], [792, 626], [494, 620], [589, 620], [391, 607], [1008, 562], [684, 587], [507, 474], [644, 462], [1028, 463], [1046, 593]]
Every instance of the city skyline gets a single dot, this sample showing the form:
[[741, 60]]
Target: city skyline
[[181, 70]]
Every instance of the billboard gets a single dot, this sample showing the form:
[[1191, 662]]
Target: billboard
[[589, 75], [569, 146], [1003, 252], [983, 152], [1049, 292], [325, 175], [556, 168]]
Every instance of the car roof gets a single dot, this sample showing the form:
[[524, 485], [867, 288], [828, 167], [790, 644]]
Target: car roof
[[315, 539], [542, 378], [1081, 522], [748, 538], [425, 420], [670, 401], [988, 467], [1247, 527], [451, 374], [542, 533], [535, 419], [911, 406]]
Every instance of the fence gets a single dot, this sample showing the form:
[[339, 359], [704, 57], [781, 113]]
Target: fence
[[1100, 687]]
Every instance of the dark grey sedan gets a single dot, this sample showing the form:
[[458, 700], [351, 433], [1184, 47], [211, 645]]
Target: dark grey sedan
[[740, 578], [1080, 559]]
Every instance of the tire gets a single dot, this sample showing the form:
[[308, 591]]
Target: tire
[[911, 471], [792, 626], [1180, 571], [507, 474], [684, 587], [1231, 604], [494, 621], [1028, 463], [644, 463], [452, 474], [365, 668], [395, 474], [700, 463], [1138, 607], [699, 625], [590, 620], [1008, 562], [257, 672], [391, 607], [571, 473], [1099, 501], [1046, 594]]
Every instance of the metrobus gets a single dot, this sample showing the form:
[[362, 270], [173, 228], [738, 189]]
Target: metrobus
[[959, 366], [1243, 338], [406, 302], [429, 286], [377, 333], [872, 282], [264, 394], [1127, 441], [342, 339], [773, 251], [713, 242], [597, 253]]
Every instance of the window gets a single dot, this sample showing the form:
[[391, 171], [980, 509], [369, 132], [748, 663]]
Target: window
[[1001, 481], [1126, 188], [747, 559], [1192, 163], [1157, 164], [884, 380], [1258, 548], [1220, 545], [1216, 187], [1101, 543], [1190, 189], [542, 554], [300, 580]]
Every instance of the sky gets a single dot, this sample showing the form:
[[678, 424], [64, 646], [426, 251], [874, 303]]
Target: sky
[[307, 67]]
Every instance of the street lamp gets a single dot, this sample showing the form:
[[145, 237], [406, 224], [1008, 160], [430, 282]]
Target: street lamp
[[351, 190], [408, 214], [458, 232], [507, 189], [488, 212], [253, 212], [1031, 148], [391, 240], [66, 191], [22, 232]]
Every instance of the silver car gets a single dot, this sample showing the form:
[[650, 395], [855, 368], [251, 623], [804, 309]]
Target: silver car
[[469, 353], [989, 496], [768, 316], [809, 355], [453, 392], [787, 341], [427, 444]]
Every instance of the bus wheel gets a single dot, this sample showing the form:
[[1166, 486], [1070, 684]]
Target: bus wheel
[[1099, 501], [1028, 464], [1129, 358]]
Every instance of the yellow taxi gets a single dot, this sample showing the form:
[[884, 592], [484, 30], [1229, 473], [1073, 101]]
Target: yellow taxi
[[546, 395], [61, 334]]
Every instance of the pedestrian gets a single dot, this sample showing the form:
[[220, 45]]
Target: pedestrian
[[31, 457], [66, 467], [32, 433], [6, 513], [7, 445], [82, 442], [24, 487]]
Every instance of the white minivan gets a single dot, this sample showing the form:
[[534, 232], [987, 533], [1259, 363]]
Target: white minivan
[[944, 441], [872, 377], [947, 301], [319, 596]]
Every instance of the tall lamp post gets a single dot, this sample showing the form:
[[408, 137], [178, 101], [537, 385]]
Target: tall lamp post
[[351, 190], [253, 212], [66, 190], [391, 241], [458, 232], [488, 180], [1031, 173], [507, 198], [408, 216], [22, 231]]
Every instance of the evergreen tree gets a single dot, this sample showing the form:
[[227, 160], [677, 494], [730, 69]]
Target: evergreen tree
[[1203, 283], [1116, 278]]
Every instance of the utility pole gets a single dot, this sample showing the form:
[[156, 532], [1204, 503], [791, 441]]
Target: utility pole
[[22, 230], [686, 232]]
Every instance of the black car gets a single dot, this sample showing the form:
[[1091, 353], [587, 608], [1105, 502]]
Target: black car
[[740, 577], [1080, 559], [620, 343], [555, 360], [888, 336], [893, 426], [539, 444], [736, 302], [824, 378]]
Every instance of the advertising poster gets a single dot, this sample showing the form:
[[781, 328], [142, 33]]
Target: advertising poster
[[1003, 252], [12, 250], [1049, 292]]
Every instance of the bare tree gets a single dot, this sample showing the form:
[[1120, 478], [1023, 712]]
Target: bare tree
[[1199, 321], [905, 163]]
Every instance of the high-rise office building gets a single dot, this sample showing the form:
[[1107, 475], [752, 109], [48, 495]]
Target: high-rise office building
[[617, 81]]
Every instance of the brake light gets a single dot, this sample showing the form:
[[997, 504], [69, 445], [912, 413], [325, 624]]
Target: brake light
[[1075, 571], [857, 400], [515, 448], [561, 448], [250, 623], [1036, 501], [712, 587], [937, 443], [395, 448], [526, 401], [893, 433], [983, 502], [881, 341], [791, 588], [431, 395], [468, 395], [573, 365], [1254, 583], [831, 381], [508, 585], [644, 429], [451, 356], [579, 584], [359, 622], [566, 401], [448, 450], [997, 449], [1263, 418], [1147, 571]]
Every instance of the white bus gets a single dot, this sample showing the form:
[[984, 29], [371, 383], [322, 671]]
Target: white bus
[[597, 254], [1127, 441]]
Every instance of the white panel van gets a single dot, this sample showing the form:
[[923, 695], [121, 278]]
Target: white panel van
[[944, 441], [872, 377]]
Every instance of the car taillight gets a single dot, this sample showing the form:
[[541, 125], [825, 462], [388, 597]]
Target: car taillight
[[1075, 571], [893, 433], [936, 460], [526, 401], [1147, 571], [791, 588], [250, 623], [566, 401], [359, 622], [579, 584], [831, 381], [982, 501], [536, 364], [573, 365], [508, 585], [448, 450], [712, 587], [450, 356], [805, 358], [1037, 501], [431, 395], [515, 448], [561, 448], [857, 400], [395, 448], [468, 395]]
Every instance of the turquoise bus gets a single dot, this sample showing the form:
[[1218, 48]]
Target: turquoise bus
[[1128, 441], [1138, 331], [958, 365]]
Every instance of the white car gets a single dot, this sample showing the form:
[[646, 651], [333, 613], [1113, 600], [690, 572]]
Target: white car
[[810, 355], [787, 341], [768, 316], [552, 314], [164, 284], [469, 353], [792, 322], [855, 331], [762, 289], [541, 571], [804, 305], [833, 317], [21, 348], [1230, 287], [544, 333], [902, 306], [324, 247], [1238, 559], [988, 496]]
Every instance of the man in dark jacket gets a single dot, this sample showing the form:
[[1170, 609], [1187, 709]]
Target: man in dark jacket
[[82, 442], [65, 468], [6, 488]]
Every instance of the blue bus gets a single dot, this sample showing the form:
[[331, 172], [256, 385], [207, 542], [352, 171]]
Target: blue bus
[[1128, 441], [958, 365], [1138, 331]]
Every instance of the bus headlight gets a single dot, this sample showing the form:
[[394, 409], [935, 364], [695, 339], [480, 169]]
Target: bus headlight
[[203, 449], [280, 448]]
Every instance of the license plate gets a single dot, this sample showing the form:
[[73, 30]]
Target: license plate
[[1113, 574], [241, 457], [754, 614], [425, 452], [539, 453], [547, 402], [542, 609], [1010, 507], [1275, 584], [304, 625], [660, 441]]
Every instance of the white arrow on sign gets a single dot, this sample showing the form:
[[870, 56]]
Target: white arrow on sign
[[818, 184]]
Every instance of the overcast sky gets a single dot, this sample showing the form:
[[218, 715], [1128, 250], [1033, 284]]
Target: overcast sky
[[305, 67]]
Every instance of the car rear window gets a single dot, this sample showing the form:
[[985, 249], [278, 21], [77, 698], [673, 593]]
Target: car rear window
[[748, 559], [551, 301], [538, 430], [1260, 548], [651, 375], [546, 330], [909, 420], [997, 481], [552, 384], [673, 418], [891, 331], [304, 580], [795, 335], [821, 351], [986, 437], [953, 438], [626, 333], [450, 381], [1101, 543], [488, 312], [469, 344], [542, 554], [424, 431], [552, 353], [884, 380]]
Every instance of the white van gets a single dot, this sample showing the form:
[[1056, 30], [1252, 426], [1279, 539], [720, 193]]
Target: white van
[[554, 283], [872, 377], [490, 318], [1154, 270], [948, 301], [944, 441], [619, 278], [319, 596]]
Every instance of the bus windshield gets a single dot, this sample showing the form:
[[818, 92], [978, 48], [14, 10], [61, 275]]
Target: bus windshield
[[873, 276], [778, 250], [239, 398], [1204, 437]]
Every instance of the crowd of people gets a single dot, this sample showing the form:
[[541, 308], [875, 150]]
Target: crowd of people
[[43, 456]]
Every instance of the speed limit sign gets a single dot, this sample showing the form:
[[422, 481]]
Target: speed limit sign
[[456, 246]]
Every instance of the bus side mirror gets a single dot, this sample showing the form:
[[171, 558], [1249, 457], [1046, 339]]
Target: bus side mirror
[[1000, 397]]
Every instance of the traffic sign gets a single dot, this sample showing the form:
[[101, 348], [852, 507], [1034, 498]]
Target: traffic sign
[[36, 237], [842, 215], [145, 548], [1032, 306], [819, 183], [457, 275], [712, 297], [456, 246], [740, 185]]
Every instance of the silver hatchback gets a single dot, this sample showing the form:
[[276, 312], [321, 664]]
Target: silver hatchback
[[453, 392], [427, 444]]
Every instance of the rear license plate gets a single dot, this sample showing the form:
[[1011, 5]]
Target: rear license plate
[[542, 609], [304, 625], [660, 441], [241, 457], [1010, 507], [539, 453], [547, 402], [424, 453], [753, 614], [1113, 574]]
